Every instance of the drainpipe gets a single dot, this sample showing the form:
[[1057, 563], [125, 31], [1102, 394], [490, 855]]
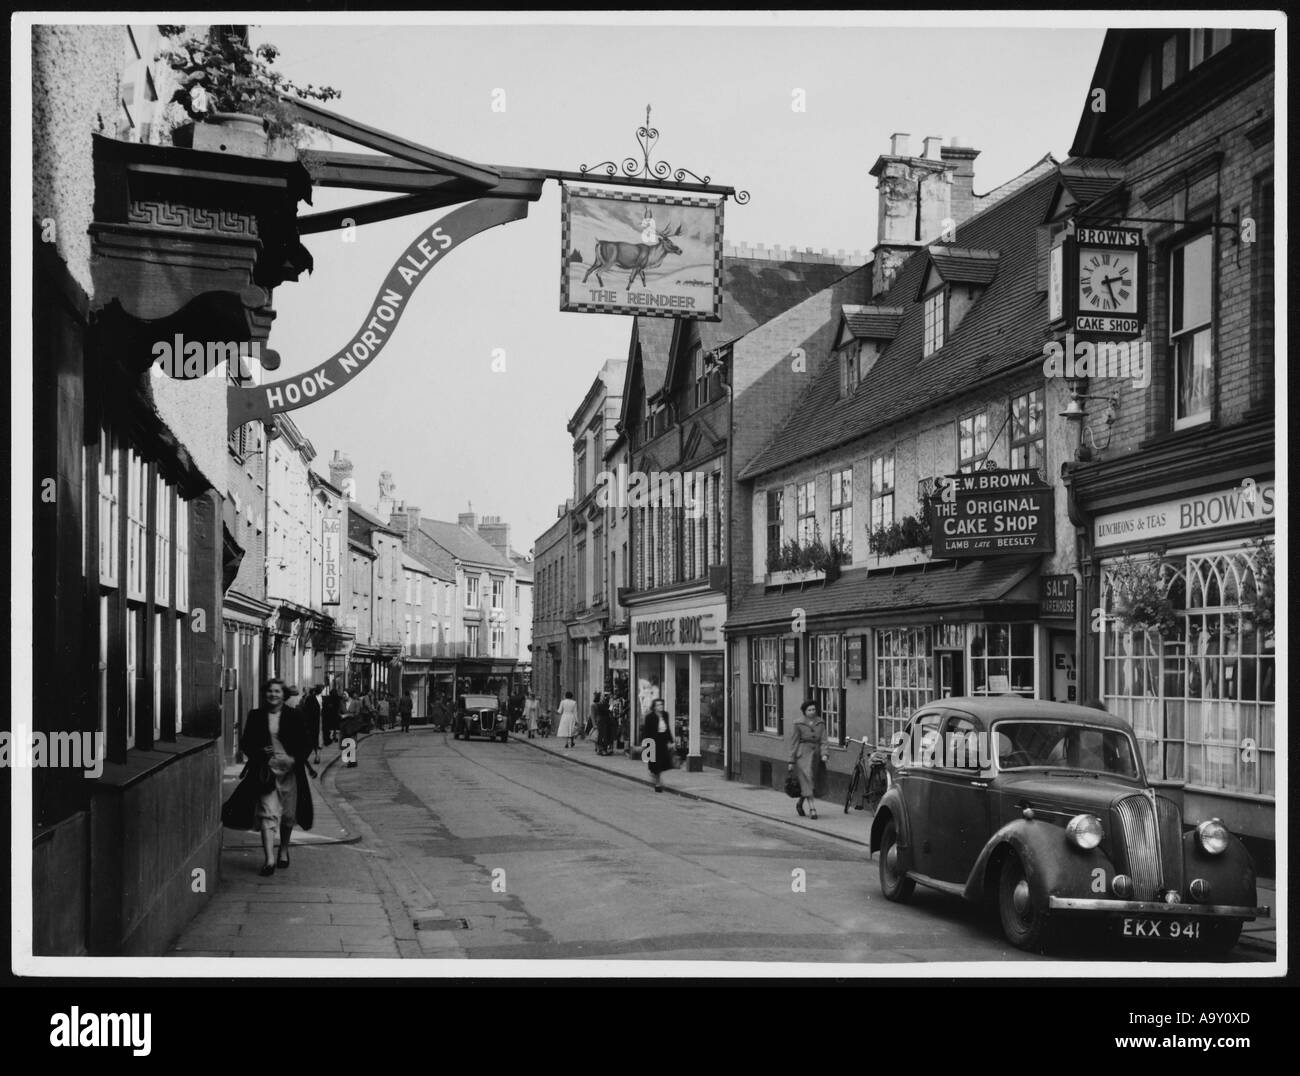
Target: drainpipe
[[1087, 591]]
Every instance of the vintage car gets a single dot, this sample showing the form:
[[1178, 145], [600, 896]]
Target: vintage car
[[480, 715], [1043, 810]]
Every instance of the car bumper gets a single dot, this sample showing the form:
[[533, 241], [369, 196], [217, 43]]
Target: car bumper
[[1151, 907]]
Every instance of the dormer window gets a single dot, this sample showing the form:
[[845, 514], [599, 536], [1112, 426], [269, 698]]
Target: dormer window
[[936, 317], [850, 368]]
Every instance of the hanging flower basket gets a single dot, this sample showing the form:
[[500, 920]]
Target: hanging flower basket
[[1142, 601]]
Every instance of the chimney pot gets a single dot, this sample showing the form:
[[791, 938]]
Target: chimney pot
[[932, 144]]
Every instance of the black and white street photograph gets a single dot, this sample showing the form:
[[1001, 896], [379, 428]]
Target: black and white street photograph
[[723, 495]]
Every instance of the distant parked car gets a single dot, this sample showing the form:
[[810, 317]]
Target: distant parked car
[[480, 715], [1044, 810]]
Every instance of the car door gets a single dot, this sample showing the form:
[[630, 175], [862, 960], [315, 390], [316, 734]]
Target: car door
[[958, 807], [914, 777]]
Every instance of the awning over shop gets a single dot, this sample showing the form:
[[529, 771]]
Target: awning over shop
[[883, 596]]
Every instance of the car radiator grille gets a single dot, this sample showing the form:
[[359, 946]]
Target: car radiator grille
[[1152, 853]]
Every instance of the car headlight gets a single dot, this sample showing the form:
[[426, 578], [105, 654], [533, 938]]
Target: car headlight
[[1085, 831], [1213, 836]]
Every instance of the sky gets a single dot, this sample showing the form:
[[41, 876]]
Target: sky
[[452, 430]]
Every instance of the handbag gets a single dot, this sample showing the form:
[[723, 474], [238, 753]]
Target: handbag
[[792, 786]]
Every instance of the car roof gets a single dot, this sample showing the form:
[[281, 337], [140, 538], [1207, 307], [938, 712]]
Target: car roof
[[483, 700], [989, 708]]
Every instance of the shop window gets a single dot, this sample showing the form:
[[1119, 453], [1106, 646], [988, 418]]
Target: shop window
[[904, 677], [137, 531], [109, 503], [935, 321], [842, 512], [158, 642], [775, 522], [765, 713], [1191, 303], [806, 512], [882, 491], [826, 682], [1028, 433], [178, 628], [1002, 659], [972, 442]]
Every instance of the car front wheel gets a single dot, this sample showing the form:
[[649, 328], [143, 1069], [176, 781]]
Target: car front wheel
[[894, 883], [1024, 919]]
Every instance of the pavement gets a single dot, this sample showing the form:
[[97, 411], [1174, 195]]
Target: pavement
[[343, 894], [348, 893], [855, 826]]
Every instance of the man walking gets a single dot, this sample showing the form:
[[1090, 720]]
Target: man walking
[[311, 714], [404, 709]]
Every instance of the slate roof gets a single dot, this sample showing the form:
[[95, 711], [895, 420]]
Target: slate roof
[[1089, 178], [1003, 330], [417, 563], [963, 265], [754, 290], [463, 543], [372, 519], [862, 591], [872, 322]]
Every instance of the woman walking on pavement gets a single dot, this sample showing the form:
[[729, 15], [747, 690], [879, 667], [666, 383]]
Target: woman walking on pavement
[[808, 757], [568, 719], [658, 729], [605, 728], [531, 708], [277, 734]]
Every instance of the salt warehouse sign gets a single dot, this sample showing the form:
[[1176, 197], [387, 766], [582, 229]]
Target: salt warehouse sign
[[993, 512]]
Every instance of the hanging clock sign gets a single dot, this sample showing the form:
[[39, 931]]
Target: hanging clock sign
[[1104, 283]]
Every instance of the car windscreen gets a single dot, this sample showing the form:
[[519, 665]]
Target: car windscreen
[[1064, 746]]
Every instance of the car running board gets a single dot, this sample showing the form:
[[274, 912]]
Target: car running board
[[933, 883]]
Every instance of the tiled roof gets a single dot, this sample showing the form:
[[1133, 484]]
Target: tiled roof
[[417, 563], [872, 322], [883, 594], [1003, 329], [754, 290], [371, 518], [964, 265], [1089, 178], [523, 565], [463, 543]]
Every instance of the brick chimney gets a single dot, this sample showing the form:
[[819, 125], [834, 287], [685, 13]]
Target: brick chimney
[[914, 205], [496, 534], [468, 519], [405, 518], [341, 475], [963, 178]]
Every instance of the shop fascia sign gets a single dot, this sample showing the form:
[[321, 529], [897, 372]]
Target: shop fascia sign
[[683, 631], [992, 513], [1249, 502]]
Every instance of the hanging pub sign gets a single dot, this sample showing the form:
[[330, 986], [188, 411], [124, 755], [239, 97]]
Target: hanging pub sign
[[633, 252], [330, 569], [993, 513], [1100, 276]]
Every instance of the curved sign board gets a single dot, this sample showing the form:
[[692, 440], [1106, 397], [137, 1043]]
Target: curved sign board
[[260, 402]]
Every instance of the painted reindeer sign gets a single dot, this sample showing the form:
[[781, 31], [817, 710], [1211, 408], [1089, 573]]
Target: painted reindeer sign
[[633, 252]]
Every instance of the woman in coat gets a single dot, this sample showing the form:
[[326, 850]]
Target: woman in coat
[[808, 757], [532, 710], [659, 729], [277, 734], [568, 719]]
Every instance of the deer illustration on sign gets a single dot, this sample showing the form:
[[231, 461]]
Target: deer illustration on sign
[[614, 254]]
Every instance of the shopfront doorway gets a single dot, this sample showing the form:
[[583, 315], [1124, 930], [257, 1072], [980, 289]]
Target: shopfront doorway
[[949, 673]]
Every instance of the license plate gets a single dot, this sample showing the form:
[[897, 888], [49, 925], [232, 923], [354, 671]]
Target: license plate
[[1160, 929]]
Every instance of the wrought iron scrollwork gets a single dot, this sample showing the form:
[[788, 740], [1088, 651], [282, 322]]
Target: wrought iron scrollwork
[[645, 169]]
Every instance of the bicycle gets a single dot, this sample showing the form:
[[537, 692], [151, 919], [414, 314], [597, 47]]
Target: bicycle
[[870, 774]]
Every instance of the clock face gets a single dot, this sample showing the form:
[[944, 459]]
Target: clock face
[[1108, 281]]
